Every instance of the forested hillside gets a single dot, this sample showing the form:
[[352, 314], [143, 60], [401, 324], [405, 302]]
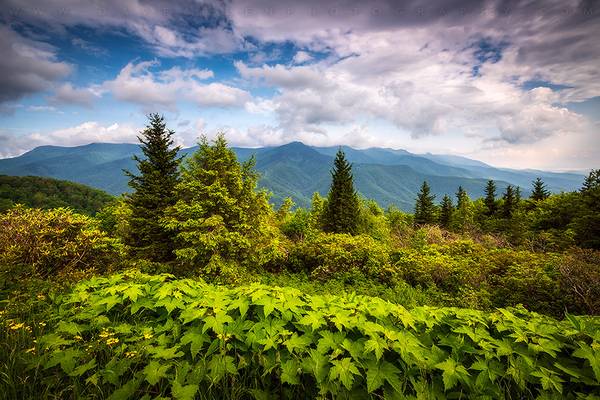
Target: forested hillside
[[194, 286], [35, 191], [296, 170]]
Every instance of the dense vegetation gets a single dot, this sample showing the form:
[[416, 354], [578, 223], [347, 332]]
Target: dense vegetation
[[205, 291], [35, 191]]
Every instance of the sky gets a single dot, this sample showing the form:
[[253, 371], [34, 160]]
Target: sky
[[511, 83]]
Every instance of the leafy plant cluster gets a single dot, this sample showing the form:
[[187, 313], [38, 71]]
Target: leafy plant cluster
[[132, 334]]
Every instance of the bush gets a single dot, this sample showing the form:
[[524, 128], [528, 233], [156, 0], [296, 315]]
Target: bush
[[54, 241], [328, 254], [580, 280]]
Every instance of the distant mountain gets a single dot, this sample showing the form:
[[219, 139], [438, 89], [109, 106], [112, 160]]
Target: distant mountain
[[386, 175], [35, 191]]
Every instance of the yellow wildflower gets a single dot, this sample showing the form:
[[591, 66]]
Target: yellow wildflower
[[112, 341], [31, 350], [77, 337], [147, 335], [42, 324], [130, 354], [14, 326]]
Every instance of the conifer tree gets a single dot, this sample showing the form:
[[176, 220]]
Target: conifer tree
[[587, 222], [464, 213], [153, 192], [517, 195], [509, 204], [424, 206], [461, 197], [446, 212], [219, 219], [539, 190], [341, 214], [490, 198]]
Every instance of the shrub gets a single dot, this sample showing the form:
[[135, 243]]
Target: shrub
[[580, 280], [54, 241], [328, 254]]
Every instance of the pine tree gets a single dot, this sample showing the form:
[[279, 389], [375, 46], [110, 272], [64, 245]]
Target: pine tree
[[509, 204], [463, 215], [539, 190], [587, 222], [446, 212], [342, 210], [517, 195], [153, 192], [219, 219], [424, 207], [490, 198], [461, 197]]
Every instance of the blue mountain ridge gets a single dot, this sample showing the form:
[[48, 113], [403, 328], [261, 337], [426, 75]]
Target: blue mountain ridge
[[296, 170]]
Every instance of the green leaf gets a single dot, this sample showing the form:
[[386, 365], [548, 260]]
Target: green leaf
[[376, 344], [155, 371], [220, 365], [344, 370], [313, 319], [289, 372], [593, 356], [126, 391], [453, 372], [166, 353], [296, 342], [196, 338], [378, 373], [549, 379], [67, 359], [191, 314], [82, 369], [216, 322], [181, 392]]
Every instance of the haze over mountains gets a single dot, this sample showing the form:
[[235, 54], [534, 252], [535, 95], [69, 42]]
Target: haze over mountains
[[386, 175]]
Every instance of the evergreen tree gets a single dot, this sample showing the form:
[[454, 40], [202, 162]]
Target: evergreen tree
[[490, 198], [219, 220], [509, 204], [517, 195], [463, 215], [587, 222], [424, 206], [342, 210], [446, 212], [539, 190], [153, 192], [461, 197]]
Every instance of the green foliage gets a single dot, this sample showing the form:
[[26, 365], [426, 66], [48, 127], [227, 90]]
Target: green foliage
[[326, 255], [587, 222], [425, 211], [153, 192], [490, 198], [279, 342], [446, 212], [219, 219], [342, 209], [38, 192], [509, 202], [54, 241], [539, 191]]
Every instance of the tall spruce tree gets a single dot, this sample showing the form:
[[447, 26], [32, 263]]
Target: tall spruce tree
[[490, 198], [509, 204], [446, 212], [153, 192], [424, 206], [341, 214], [539, 191], [587, 222], [463, 214]]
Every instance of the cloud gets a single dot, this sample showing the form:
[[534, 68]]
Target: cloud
[[67, 94], [26, 66], [139, 84], [12, 144], [301, 57]]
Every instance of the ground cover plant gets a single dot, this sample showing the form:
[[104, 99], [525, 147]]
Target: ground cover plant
[[130, 335]]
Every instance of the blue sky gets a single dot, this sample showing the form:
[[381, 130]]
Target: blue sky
[[450, 78]]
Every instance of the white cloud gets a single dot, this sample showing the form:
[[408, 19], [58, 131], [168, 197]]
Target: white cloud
[[84, 133], [301, 57], [67, 94], [137, 83]]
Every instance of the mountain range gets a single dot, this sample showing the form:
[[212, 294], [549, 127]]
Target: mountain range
[[296, 170]]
